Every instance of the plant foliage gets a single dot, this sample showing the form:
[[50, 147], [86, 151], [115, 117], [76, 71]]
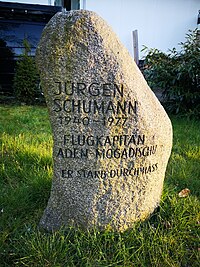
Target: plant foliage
[[178, 74], [26, 78]]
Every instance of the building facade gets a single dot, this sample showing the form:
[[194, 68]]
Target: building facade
[[19, 22]]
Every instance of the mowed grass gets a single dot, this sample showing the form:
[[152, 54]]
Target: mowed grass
[[170, 237]]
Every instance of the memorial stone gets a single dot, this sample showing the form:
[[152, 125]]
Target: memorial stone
[[112, 138]]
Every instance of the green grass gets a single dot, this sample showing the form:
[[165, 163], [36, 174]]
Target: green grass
[[168, 238]]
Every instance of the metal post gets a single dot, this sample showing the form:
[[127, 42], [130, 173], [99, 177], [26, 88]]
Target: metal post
[[135, 46]]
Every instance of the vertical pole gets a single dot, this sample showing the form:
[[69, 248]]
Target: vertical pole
[[198, 28], [135, 46], [84, 4]]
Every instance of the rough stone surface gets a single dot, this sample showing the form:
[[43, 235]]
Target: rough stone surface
[[112, 138]]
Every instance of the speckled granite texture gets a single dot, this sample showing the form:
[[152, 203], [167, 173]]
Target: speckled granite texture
[[112, 137]]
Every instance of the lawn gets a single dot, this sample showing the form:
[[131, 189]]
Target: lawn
[[168, 238]]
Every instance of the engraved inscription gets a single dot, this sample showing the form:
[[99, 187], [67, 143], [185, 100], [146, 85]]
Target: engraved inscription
[[75, 104], [94, 107], [109, 173], [80, 101], [94, 89], [115, 140]]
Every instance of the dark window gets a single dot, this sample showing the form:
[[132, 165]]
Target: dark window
[[14, 32], [68, 4]]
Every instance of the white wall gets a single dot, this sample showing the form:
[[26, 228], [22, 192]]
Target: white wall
[[161, 24]]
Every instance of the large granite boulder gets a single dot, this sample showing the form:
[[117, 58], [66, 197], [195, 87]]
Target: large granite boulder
[[112, 138]]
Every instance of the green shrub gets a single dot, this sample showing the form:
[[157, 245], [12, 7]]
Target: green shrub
[[178, 73], [26, 78]]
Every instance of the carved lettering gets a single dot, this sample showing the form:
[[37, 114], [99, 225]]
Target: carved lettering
[[112, 173], [114, 141], [94, 89], [93, 107]]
